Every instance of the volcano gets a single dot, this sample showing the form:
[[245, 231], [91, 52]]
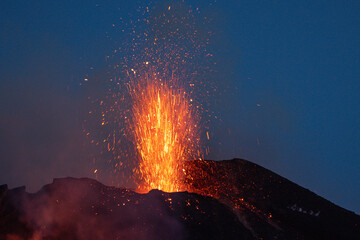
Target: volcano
[[232, 199]]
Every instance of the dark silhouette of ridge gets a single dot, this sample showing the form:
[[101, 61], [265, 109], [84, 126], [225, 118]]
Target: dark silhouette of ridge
[[270, 205], [233, 199]]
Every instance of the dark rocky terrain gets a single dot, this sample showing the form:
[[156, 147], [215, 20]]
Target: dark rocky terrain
[[232, 199], [271, 206]]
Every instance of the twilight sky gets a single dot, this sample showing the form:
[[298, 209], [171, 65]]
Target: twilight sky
[[291, 101]]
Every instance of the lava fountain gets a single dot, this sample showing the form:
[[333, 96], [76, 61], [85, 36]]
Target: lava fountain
[[164, 126], [159, 84]]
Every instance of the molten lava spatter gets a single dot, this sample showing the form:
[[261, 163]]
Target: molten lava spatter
[[165, 132], [147, 121]]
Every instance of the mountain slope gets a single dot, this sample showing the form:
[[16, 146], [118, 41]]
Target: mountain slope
[[233, 199], [85, 209], [272, 206]]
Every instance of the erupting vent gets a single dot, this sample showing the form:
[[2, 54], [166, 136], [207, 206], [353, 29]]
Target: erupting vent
[[156, 105]]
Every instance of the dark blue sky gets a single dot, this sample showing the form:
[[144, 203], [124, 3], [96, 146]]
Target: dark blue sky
[[291, 106]]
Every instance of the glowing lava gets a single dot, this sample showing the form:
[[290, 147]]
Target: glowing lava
[[165, 132], [145, 121]]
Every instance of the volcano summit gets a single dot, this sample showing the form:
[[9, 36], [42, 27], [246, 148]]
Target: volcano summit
[[233, 199]]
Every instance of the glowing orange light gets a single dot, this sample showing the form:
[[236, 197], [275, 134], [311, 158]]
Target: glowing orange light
[[165, 133]]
